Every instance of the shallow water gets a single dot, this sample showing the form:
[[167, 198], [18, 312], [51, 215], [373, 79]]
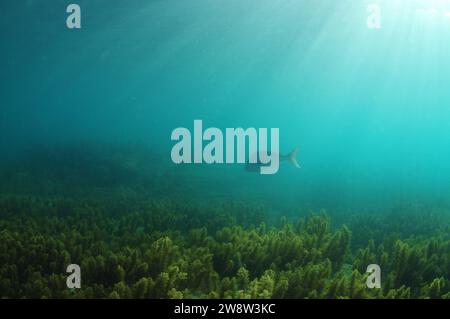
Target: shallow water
[[88, 113]]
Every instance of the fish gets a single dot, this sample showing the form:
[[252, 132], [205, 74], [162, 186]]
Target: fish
[[256, 167]]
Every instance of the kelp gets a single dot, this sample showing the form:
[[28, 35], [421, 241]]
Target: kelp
[[168, 249]]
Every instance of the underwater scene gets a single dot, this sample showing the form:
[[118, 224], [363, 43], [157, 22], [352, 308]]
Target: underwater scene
[[215, 149]]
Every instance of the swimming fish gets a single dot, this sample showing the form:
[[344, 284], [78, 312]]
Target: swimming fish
[[291, 158]]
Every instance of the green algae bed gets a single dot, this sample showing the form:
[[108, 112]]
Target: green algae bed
[[139, 246]]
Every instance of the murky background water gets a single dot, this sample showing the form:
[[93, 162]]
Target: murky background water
[[91, 109]]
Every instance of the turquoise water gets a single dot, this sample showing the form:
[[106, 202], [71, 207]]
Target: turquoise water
[[367, 108]]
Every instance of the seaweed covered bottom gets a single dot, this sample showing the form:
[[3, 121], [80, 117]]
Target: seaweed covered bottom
[[165, 249]]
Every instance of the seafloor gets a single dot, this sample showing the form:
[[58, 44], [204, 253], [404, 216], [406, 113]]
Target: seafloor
[[118, 218]]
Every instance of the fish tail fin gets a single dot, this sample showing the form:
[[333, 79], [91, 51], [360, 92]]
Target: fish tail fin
[[292, 157]]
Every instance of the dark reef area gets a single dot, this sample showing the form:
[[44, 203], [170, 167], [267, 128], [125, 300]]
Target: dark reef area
[[135, 241]]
